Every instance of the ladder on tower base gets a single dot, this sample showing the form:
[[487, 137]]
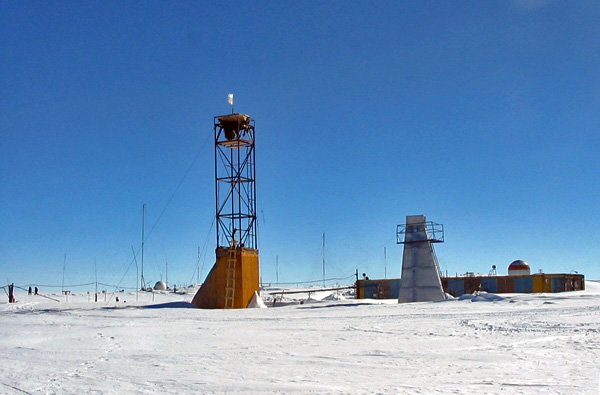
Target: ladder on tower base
[[230, 279]]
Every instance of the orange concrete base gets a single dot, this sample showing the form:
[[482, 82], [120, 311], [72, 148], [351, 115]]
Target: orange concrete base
[[212, 293]]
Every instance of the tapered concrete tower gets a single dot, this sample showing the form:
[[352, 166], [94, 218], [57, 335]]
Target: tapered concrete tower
[[420, 280], [234, 277]]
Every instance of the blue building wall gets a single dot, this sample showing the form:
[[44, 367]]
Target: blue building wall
[[456, 286]]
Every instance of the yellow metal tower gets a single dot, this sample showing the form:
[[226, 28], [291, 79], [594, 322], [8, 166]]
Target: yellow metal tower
[[234, 278]]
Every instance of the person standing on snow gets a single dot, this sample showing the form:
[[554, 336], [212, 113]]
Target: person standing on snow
[[11, 293]]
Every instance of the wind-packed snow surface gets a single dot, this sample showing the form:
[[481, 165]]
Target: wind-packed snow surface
[[503, 344]]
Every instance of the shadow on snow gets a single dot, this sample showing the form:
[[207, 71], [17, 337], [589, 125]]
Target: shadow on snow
[[170, 305]]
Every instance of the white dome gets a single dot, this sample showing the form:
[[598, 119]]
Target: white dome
[[519, 268], [160, 286]]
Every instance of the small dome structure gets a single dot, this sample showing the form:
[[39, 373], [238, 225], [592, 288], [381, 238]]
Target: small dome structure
[[160, 286], [519, 268]]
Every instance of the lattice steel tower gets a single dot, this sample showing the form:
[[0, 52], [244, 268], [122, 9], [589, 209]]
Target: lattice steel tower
[[234, 279], [235, 181]]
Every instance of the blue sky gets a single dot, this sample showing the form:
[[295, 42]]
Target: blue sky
[[482, 116]]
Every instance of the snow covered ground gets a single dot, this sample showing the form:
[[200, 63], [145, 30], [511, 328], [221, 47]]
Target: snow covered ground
[[514, 344]]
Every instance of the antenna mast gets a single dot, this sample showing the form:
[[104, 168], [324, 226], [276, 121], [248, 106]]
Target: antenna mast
[[384, 263], [96, 276], [323, 259], [142, 282], [198, 267], [64, 267]]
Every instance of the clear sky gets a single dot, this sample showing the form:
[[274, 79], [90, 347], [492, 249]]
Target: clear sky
[[482, 116]]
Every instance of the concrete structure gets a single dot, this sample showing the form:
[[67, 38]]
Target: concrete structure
[[234, 278], [420, 279], [519, 268]]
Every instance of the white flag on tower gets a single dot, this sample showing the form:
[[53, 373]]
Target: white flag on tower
[[230, 99]]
